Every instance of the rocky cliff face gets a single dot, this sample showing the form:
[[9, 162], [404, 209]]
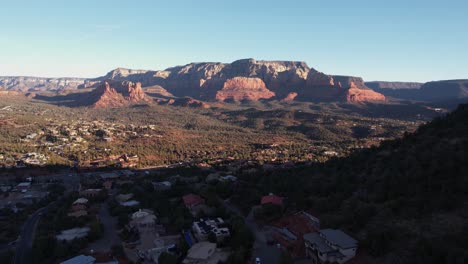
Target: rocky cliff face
[[116, 94], [36, 84], [246, 79], [204, 80], [244, 88], [322, 87]]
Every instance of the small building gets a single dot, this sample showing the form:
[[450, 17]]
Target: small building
[[74, 233], [162, 186], [203, 228], [91, 192], [78, 213], [272, 199], [288, 231], [23, 186], [192, 200], [330, 246], [130, 203], [81, 259], [123, 197], [143, 220], [195, 204], [228, 178]]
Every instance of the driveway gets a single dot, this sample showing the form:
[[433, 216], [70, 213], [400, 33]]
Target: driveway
[[109, 236]]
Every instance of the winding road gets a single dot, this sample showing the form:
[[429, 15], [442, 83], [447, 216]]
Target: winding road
[[25, 241]]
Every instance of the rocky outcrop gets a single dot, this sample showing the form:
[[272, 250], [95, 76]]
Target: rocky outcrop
[[5, 93], [38, 84], [322, 87], [356, 94], [244, 88], [290, 97], [116, 94]]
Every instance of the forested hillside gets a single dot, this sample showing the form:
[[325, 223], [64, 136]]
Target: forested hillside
[[406, 200]]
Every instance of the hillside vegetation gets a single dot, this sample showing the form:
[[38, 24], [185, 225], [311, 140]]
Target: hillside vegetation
[[405, 200]]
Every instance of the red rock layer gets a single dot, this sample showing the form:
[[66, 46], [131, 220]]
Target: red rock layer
[[119, 94], [244, 88]]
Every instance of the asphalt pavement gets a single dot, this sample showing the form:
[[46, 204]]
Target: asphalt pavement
[[26, 239]]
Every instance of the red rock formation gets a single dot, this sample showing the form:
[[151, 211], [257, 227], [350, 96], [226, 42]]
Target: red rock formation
[[354, 94], [324, 87], [290, 97], [117, 94], [244, 88]]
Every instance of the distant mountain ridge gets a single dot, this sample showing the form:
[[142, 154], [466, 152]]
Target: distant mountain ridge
[[34, 84], [393, 85], [252, 80], [430, 91], [248, 79]]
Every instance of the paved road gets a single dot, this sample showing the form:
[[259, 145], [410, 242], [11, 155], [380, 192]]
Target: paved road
[[25, 242], [267, 254]]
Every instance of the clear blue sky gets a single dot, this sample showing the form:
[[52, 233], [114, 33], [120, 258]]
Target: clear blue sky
[[410, 40]]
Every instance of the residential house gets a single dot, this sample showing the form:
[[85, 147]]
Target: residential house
[[289, 230], [70, 234], [228, 178], [123, 197], [162, 186], [79, 205], [78, 213], [90, 192], [272, 199], [143, 220], [330, 246], [130, 203], [203, 228], [23, 186], [194, 203]]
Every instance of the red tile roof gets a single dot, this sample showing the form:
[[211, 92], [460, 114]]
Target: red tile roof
[[298, 224], [273, 199], [192, 199]]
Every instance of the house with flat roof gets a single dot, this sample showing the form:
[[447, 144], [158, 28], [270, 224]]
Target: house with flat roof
[[203, 228], [330, 246]]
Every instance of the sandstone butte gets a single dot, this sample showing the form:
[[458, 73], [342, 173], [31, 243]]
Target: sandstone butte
[[244, 88], [116, 94]]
